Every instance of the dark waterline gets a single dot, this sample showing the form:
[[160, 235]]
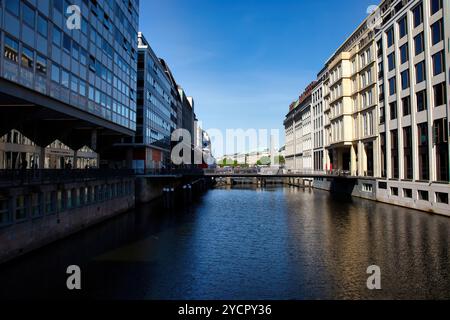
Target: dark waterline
[[279, 243]]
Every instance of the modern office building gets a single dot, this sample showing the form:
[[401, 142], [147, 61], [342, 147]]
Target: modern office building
[[68, 81], [299, 133], [413, 47], [156, 118]]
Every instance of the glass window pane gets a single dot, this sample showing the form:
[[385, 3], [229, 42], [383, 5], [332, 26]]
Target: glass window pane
[[13, 6], [28, 15], [11, 49], [27, 58], [42, 26], [41, 65], [55, 73], [65, 78]]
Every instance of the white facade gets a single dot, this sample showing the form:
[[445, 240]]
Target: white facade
[[414, 106], [317, 110], [299, 134]]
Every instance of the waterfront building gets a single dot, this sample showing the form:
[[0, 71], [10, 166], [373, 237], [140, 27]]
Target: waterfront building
[[413, 49], [386, 106], [155, 117], [317, 113], [299, 133], [351, 105], [61, 81]]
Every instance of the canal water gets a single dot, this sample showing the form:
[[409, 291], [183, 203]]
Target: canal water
[[280, 243]]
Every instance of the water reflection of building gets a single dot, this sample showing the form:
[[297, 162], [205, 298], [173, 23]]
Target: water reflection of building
[[17, 151]]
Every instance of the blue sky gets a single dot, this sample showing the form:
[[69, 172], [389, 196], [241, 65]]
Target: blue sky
[[245, 61]]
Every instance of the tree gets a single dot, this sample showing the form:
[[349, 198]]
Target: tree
[[265, 161], [280, 160]]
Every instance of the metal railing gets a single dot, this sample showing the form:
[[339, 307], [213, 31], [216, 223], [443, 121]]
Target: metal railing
[[47, 176], [276, 172], [168, 172]]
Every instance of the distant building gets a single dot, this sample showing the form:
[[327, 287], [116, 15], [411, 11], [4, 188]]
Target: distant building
[[318, 122], [299, 133]]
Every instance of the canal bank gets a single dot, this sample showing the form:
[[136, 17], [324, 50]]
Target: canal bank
[[432, 198], [41, 207], [428, 197], [246, 243]]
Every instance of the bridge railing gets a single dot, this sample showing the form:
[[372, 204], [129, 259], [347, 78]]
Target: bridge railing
[[165, 172], [278, 172], [9, 178]]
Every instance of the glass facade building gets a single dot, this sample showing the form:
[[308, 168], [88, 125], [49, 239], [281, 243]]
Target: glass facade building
[[92, 68], [155, 113]]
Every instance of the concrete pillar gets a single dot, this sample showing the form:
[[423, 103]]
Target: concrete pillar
[[353, 160], [2, 156], [42, 158], [75, 159]]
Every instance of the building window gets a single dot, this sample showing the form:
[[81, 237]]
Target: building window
[[404, 54], [5, 217], [391, 62], [393, 109], [42, 26], [394, 154], [390, 37], [437, 32], [28, 16], [421, 100], [423, 195], [74, 84], [57, 35], [418, 15], [407, 152], [403, 27], [440, 94], [405, 79], [407, 193], [392, 86], [41, 65], [11, 49], [55, 73], [82, 88], [438, 63], [13, 6], [21, 212], [36, 211], [383, 156], [27, 58], [382, 116], [423, 151], [67, 43], [406, 106], [394, 191], [440, 133], [420, 72], [419, 44], [442, 197], [65, 78], [436, 5], [50, 198], [58, 5]]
